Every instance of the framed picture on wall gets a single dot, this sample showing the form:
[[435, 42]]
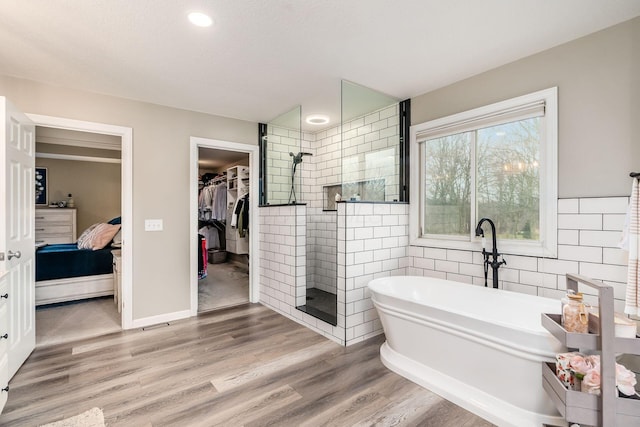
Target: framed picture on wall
[[42, 186]]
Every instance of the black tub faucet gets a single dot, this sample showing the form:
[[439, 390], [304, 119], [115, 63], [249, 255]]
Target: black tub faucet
[[494, 263]]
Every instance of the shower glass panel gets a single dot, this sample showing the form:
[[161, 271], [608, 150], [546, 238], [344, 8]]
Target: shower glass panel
[[370, 145], [318, 297], [284, 158]]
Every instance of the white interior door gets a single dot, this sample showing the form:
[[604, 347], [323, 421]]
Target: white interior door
[[17, 213]]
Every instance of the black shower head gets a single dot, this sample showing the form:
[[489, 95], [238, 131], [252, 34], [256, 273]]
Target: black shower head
[[297, 158]]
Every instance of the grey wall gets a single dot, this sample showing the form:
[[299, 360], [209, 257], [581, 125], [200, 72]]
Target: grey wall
[[95, 188], [598, 79], [160, 178]]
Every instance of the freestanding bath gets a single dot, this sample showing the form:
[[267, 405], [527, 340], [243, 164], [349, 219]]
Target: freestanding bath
[[478, 347]]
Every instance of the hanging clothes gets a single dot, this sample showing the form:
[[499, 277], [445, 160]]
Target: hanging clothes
[[212, 200], [202, 257], [234, 214], [241, 216], [211, 235], [219, 203]]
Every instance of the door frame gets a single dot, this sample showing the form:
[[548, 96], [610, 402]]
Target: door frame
[[126, 171], [254, 259]]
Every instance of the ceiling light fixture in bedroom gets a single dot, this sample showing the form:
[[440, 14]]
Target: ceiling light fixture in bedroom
[[200, 19]]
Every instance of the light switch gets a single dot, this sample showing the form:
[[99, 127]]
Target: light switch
[[152, 225]]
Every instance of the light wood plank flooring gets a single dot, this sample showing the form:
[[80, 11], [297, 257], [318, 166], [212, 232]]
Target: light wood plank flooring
[[60, 323], [226, 285], [244, 365]]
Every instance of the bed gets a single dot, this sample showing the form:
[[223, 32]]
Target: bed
[[67, 272]]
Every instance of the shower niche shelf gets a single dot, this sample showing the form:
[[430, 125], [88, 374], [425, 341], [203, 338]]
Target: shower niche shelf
[[583, 408]]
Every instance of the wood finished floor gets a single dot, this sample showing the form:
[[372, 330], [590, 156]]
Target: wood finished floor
[[244, 365]]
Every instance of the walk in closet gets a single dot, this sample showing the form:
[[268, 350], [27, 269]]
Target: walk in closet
[[223, 228]]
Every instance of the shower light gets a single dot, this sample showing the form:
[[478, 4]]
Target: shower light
[[317, 119], [200, 19]]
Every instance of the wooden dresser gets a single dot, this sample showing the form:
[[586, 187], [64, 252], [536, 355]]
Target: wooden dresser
[[55, 225]]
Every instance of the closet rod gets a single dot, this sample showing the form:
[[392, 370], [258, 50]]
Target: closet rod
[[635, 175]]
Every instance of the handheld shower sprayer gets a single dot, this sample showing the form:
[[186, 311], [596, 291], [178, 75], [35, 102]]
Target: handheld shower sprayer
[[297, 159]]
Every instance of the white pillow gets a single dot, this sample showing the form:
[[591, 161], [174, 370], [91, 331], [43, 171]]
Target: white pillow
[[85, 235]]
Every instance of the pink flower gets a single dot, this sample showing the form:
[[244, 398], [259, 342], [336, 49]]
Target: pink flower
[[625, 380], [594, 361], [591, 382], [580, 365], [587, 369]]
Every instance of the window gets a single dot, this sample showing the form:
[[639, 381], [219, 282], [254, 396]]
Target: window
[[497, 161]]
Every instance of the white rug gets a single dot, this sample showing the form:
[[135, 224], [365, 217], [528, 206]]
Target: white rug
[[92, 418]]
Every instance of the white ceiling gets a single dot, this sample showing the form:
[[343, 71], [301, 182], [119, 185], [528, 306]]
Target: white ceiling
[[78, 138], [261, 58], [212, 159]]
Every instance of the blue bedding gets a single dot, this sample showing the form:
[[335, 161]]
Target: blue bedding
[[66, 260]]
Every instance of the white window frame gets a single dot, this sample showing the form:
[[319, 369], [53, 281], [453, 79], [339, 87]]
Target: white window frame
[[547, 246]]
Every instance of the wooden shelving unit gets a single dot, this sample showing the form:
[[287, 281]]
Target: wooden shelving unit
[[582, 408]]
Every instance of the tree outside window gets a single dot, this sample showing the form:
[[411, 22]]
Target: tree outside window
[[505, 160]]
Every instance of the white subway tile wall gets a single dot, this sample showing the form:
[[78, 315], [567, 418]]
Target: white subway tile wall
[[283, 266], [588, 234], [362, 258]]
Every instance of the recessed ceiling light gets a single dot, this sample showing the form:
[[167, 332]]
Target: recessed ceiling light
[[317, 119], [200, 19]]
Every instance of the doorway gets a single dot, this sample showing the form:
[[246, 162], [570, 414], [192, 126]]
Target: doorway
[[224, 228], [125, 135], [223, 257], [76, 296]]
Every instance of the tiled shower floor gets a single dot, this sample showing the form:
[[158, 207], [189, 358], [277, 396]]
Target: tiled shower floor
[[321, 304]]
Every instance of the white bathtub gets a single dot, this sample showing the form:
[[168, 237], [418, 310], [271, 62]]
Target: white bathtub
[[478, 347]]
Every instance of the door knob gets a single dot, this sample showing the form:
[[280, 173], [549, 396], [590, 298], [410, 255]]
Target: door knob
[[15, 254]]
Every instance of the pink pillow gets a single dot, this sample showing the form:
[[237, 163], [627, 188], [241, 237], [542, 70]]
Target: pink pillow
[[100, 236]]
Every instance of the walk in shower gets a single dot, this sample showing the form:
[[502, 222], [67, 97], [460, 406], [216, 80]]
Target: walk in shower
[[357, 159]]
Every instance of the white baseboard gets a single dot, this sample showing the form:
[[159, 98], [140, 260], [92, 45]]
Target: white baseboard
[[160, 318]]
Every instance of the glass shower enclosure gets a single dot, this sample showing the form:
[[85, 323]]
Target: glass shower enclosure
[[355, 160]]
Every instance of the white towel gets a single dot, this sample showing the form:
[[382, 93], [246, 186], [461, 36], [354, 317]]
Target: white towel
[[631, 242], [624, 239]]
